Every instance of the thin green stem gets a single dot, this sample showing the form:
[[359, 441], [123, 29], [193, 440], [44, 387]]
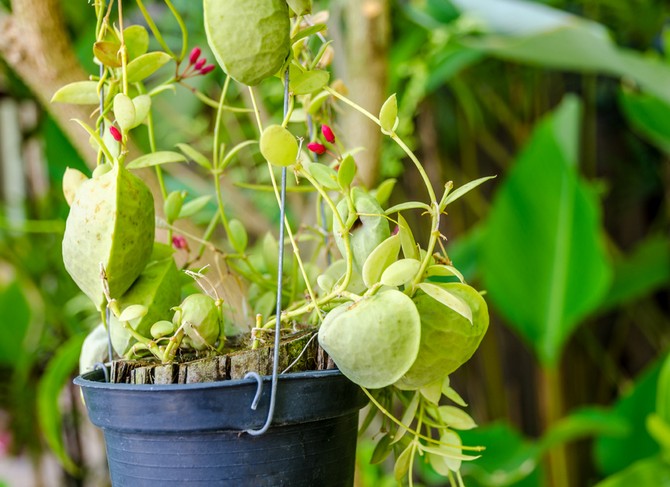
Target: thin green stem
[[182, 27], [154, 30], [217, 124]]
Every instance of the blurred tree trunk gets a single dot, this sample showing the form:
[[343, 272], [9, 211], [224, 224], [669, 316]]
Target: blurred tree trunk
[[367, 42], [35, 45]]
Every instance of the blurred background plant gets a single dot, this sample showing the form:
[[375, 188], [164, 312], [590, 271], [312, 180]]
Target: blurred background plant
[[568, 102]]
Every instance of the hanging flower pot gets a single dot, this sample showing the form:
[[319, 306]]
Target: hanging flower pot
[[195, 434]]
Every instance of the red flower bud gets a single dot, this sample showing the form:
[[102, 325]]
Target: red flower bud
[[396, 230], [195, 54], [179, 242], [200, 64], [207, 69], [328, 133], [316, 147], [115, 133]]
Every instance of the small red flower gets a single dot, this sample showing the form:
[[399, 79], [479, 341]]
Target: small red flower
[[201, 62], [195, 54], [207, 69], [328, 133], [316, 148], [179, 242], [115, 133]]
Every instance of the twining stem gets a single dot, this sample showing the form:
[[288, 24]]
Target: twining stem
[[154, 30], [182, 27]]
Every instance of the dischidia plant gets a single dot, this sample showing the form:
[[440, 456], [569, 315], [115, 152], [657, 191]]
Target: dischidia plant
[[395, 316]]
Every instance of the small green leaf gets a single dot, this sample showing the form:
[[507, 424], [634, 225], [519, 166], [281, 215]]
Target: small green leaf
[[300, 7], [409, 248], [279, 146], [402, 463], [162, 329], [233, 152], [124, 111], [142, 104], [133, 312], [456, 418], [78, 93], [308, 31], [145, 65], [346, 172], [444, 271], [326, 176], [388, 115], [136, 39], [400, 272], [195, 155], [325, 282], [316, 102], [446, 458], [155, 159], [382, 449], [407, 418], [107, 53], [194, 206], [408, 205], [384, 190], [270, 254], [173, 204], [238, 235], [466, 188], [432, 392], [448, 299], [379, 259], [304, 83]]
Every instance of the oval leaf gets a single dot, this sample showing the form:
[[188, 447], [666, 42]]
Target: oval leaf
[[145, 65], [456, 418], [409, 248], [448, 299], [136, 39], [279, 146], [400, 272], [444, 271], [238, 236], [155, 159], [384, 190], [380, 258], [304, 83], [124, 111], [142, 104], [346, 172], [107, 53], [326, 176], [194, 206], [78, 93], [133, 312], [195, 155], [388, 115], [402, 463]]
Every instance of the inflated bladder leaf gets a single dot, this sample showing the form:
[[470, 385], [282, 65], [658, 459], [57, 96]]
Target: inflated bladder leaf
[[156, 159], [238, 235], [279, 146], [379, 259], [136, 39], [548, 220], [369, 230], [388, 115], [124, 112], [448, 340], [78, 93], [304, 83], [157, 289], [400, 272], [145, 65], [201, 319], [448, 299], [111, 223], [162, 329], [375, 340], [249, 38]]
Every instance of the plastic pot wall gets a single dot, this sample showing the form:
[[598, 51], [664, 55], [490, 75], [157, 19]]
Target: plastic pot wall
[[192, 434]]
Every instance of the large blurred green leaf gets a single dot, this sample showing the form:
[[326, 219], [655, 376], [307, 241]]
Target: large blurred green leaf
[[543, 260], [535, 34], [56, 375], [647, 269], [649, 116], [15, 312], [613, 454], [650, 472]]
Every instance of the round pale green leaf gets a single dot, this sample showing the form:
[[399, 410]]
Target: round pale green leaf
[[279, 146], [375, 340], [136, 39], [379, 259], [145, 65], [78, 93], [249, 38], [142, 104], [124, 111], [388, 115], [448, 340], [133, 312], [400, 272]]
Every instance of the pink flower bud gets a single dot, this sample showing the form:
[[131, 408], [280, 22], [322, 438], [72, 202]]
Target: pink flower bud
[[195, 54], [396, 230], [179, 242], [207, 69], [316, 147], [115, 133], [328, 133], [201, 62]]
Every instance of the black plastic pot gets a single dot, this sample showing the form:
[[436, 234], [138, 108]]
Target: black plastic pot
[[191, 434]]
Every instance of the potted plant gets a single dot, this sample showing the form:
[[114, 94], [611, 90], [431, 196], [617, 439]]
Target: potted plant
[[395, 317]]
